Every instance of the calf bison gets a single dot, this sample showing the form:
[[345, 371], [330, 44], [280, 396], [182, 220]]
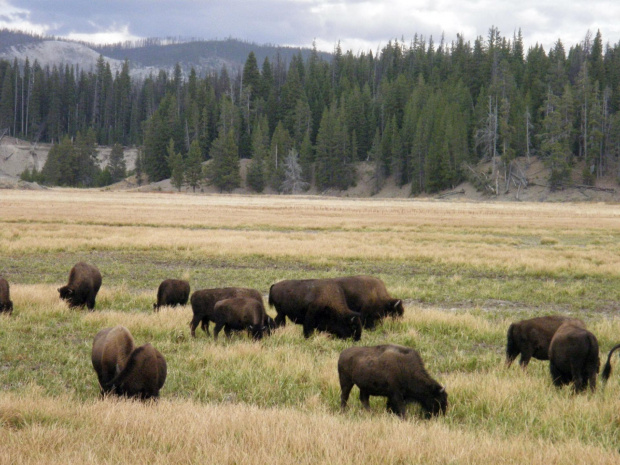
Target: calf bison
[[317, 304], [6, 306], [531, 338], [238, 314], [368, 296], [84, 283], [574, 356], [204, 300], [172, 292], [607, 369], [143, 376], [111, 350], [391, 371]]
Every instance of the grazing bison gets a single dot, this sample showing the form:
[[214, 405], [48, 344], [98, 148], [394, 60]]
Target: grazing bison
[[172, 292], [316, 304], [238, 314], [111, 350], [204, 300], [531, 338], [573, 356], [143, 376], [84, 283], [368, 296], [6, 305], [391, 371], [607, 369]]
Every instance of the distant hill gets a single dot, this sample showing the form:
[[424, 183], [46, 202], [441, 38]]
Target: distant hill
[[146, 56]]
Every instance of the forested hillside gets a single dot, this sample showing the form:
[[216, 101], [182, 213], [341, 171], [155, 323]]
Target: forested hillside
[[420, 112]]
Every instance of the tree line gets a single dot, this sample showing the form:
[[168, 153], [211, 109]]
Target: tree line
[[420, 112]]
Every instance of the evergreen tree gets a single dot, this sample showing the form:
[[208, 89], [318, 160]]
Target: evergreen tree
[[176, 164], [223, 171], [193, 171], [116, 164], [293, 180]]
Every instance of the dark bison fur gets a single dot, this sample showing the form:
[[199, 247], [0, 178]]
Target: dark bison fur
[[607, 369], [368, 296], [6, 305], [574, 357], [317, 304], [204, 300], [172, 292], [111, 350], [238, 314], [143, 376], [531, 338], [391, 371], [84, 283]]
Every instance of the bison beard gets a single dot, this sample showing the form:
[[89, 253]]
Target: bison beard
[[172, 292], [391, 371], [531, 338], [84, 283], [6, 306], [574, 357]]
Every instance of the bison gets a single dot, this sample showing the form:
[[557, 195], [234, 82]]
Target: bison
[[6, 305], [204, 300], [391, 371], [317, 305], [368, 296], [607, 369], [111, 350], [172, 292], [143, 376], [238, 314], [531, 338], [84, 283], [574, 356]]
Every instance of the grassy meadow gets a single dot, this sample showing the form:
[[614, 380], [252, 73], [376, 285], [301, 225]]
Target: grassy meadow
[[464, 270]]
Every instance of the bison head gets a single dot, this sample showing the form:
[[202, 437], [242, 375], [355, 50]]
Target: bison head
[[356, 327], [395, 308], [65, 292], [436, 402], [7, 307]]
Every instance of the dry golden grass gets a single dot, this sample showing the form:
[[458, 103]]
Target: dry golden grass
[[276, 401]]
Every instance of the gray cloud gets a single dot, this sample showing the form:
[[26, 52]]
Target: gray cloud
[[358, 24]]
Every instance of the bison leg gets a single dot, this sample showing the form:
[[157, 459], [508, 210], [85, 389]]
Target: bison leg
[[204, 324], [365, 399], [558, 378], [193, 325], [227, 331], [346, 384], [577, 375], [280, 319], [396, 404], [90, 302], [217, 329], [526, 355]]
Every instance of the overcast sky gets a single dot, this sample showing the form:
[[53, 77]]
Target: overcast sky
[[359, 25]]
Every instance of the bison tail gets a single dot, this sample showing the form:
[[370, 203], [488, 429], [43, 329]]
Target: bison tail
[[511, 348], [271, 304], [607, 370]]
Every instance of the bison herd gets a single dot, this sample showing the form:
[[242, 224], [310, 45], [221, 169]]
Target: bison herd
[[342, 307]]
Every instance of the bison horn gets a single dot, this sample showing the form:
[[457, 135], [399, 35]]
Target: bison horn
[[443, 388], [397, 303]]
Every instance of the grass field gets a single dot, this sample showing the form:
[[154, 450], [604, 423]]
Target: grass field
[[465, 271]]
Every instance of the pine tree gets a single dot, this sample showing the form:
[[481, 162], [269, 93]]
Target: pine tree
[[176, 165], [116, 163], [193, 171], [223, 171]]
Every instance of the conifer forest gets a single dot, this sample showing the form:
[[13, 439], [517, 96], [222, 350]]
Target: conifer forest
[[418, 111]]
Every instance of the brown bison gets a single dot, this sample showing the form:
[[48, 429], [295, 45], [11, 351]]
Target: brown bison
[[531, 338], [574, 356], [172, 292], [204, 300], [6, 305], [238, 314], [84, 283], [111, 350], [143, 376], [607, 369], [317, 304], [391, 371], [368, 296]]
